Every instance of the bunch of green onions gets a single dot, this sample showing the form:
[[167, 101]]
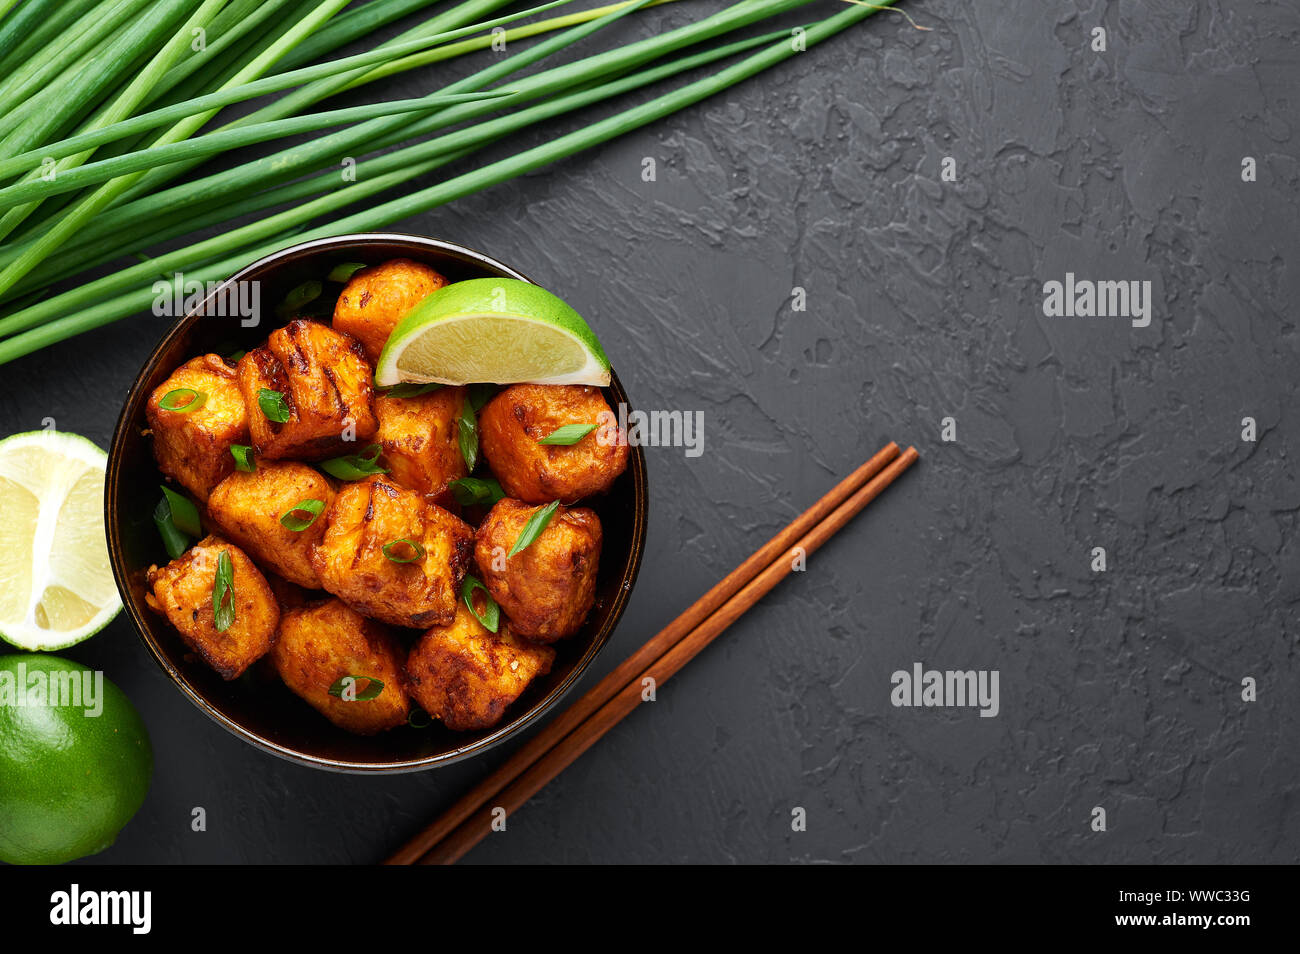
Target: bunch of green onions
[[109, 109]]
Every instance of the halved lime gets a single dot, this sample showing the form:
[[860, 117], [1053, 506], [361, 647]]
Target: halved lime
[[494, 331], [56, 588]]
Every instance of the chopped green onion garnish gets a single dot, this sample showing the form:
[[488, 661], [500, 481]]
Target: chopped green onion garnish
[[273, 405], [341, 273], [410, 390], [480, 394], [302, 514], [182, 400], [483, 491], [243, 455], [534, 527], [490, 618], [304, 294], [355, 466], [184, 514], [391, 548], [419, 719], [373, 688], [175, 541], [467, 435], [223, 594], [568, 435]]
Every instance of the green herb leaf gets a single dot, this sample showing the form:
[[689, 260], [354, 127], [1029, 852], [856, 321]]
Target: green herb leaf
[[223, 594], [483, 491], [480, 394], [568, 435], [373, 688], [392, 548], [175, 541], [538, 522], [490, 618], [299, 297], [341, 273], [184, 514], [294, 518], [234, 356], [355, 466], [273, 405], [410, 390], [467, 435], [243, 455], [183, 400]]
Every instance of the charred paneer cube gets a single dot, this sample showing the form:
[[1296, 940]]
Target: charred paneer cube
[[548, 587], [194, 417], [320, 645], [186, 592], [467, 676], [375, 299], [274, 513], [392, 555], [309, 391], [420, 438], [513, 425]]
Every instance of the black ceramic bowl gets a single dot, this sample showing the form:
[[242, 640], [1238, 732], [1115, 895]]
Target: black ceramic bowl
[[257, 707]]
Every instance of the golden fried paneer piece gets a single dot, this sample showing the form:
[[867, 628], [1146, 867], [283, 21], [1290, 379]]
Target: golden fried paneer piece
[[420, 439], [547, 588], [323, 642], [327, 387], [375, 299], [248, 507], [182, 591], [401, 587], [513, 422], [467, 676], [193, 447]]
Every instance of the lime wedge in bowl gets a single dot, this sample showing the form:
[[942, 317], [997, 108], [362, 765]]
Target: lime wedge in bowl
[[496, 331], [56, 588]]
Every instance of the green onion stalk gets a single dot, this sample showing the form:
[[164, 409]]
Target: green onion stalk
[[225, 190], [288, 164], [87, 307], [73, 220], [405, 165]]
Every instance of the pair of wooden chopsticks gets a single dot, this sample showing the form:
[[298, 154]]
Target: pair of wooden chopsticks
[[571, 733]]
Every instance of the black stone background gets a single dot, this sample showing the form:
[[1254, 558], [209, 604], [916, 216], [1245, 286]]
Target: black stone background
[[1119, 689]]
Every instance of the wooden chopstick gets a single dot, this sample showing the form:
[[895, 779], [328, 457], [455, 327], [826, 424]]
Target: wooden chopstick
[[452, 847], [631, 667]]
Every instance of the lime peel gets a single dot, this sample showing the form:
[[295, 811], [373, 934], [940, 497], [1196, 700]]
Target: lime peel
[[493, 330]]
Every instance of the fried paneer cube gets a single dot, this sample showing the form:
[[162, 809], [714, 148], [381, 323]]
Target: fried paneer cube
[[248, 507], [547, 588], [375, 299], [420, 439], [513, 422], [413, 586], [467, 676], [321, 643], [326, 384], [182, 592], [193, 447]]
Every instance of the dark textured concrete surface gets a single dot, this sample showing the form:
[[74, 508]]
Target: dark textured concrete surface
[[1120, 690]]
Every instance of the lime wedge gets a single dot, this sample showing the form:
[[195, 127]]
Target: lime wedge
[[492, 331], [56, 588]]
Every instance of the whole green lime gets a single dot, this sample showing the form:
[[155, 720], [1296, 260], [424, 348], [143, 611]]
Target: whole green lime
[[75, 760]]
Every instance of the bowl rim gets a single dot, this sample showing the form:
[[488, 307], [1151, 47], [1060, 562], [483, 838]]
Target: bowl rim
[[132, 407]]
